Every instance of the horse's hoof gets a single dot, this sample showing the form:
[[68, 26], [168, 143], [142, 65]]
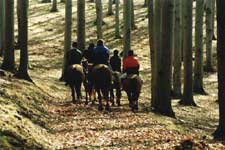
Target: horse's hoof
[[100, 108]]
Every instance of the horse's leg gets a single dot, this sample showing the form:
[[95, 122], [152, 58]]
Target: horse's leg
[[129, 95], [86, 94], [106, 97], [78, 91], [112, 96], [73, 93], [118, 96], [100, 108]]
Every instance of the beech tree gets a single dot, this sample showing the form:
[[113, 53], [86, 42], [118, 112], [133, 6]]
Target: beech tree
[[54, 6], [162, 57], [117, 20], [67, 35], [9, 56], [209, 35], [99, 18], [127, 27], [81, 24], [198, 68], [219, 134], [23, 25], [110, 10], [1, 25], [177, 49], [187, 98]]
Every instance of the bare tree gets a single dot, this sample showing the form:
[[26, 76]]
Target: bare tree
[[54, 6], [81, 24], [127, 27], [99, 18], [1, 26], [117, 20]]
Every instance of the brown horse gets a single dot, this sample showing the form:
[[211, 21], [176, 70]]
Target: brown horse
[[74, 77], [116, 84], [132, 86], [101, 77]]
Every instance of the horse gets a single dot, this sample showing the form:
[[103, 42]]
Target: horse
[[88, 85], [74, 77], [116, 84], [101, 77], [132, 86]]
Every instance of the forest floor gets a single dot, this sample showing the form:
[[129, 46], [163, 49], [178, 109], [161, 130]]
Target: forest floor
[[42, 116]]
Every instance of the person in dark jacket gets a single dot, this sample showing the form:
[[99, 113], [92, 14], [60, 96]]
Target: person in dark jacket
[[115, 61], [101, 53], [88, 54], [74, 55]]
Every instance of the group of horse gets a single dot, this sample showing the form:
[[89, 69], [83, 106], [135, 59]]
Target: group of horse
[[101, 80]]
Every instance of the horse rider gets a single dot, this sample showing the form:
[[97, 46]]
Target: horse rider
[[115, 61], [74, 55], [131, 65], [88, 54], [101, 53]]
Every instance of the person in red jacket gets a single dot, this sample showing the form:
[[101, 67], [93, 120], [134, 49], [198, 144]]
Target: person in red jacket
[[131, 64]]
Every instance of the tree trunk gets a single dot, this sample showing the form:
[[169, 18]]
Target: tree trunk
[[151, 42], [81, 24], [127, 27], [187, 49], [209, 35], [23, 25], [163, 61], [9, 56], [67, 35], [177, 49], [54, 6], [1, 26], [198, 69], [17, 46], [46, 1], [146, 3], [99, 18], [63, 1], [219, 134], [110, 10], [132, 15], [117, 20]]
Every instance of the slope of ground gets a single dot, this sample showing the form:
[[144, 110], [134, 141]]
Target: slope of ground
[[41, 115]]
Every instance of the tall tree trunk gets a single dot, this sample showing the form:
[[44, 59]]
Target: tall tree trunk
[[187, 48], [1, 26], [198, 69], [117, 20], [99, 18], [163, 60], [17, 46], [146, 3], [67, 35], [132, 15], [54, 6], [177, 49], [46, 1], [127, 27], [9, 56], [151, 42], [157, 38], [110, 10], [23, 67], [219, 134], [81, 24], [209, 35]]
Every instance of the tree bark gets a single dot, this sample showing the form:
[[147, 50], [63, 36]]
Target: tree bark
[[117, 20], [99, 18], [9, 56], [187, 49], [177, 49], [209, 35], [67, 35], [81, 24], [127, 27], [1, 26], [23, 25], [54, 6], [163, 61], [219, 134], [198, 68], [132, 15], [110, 10]]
